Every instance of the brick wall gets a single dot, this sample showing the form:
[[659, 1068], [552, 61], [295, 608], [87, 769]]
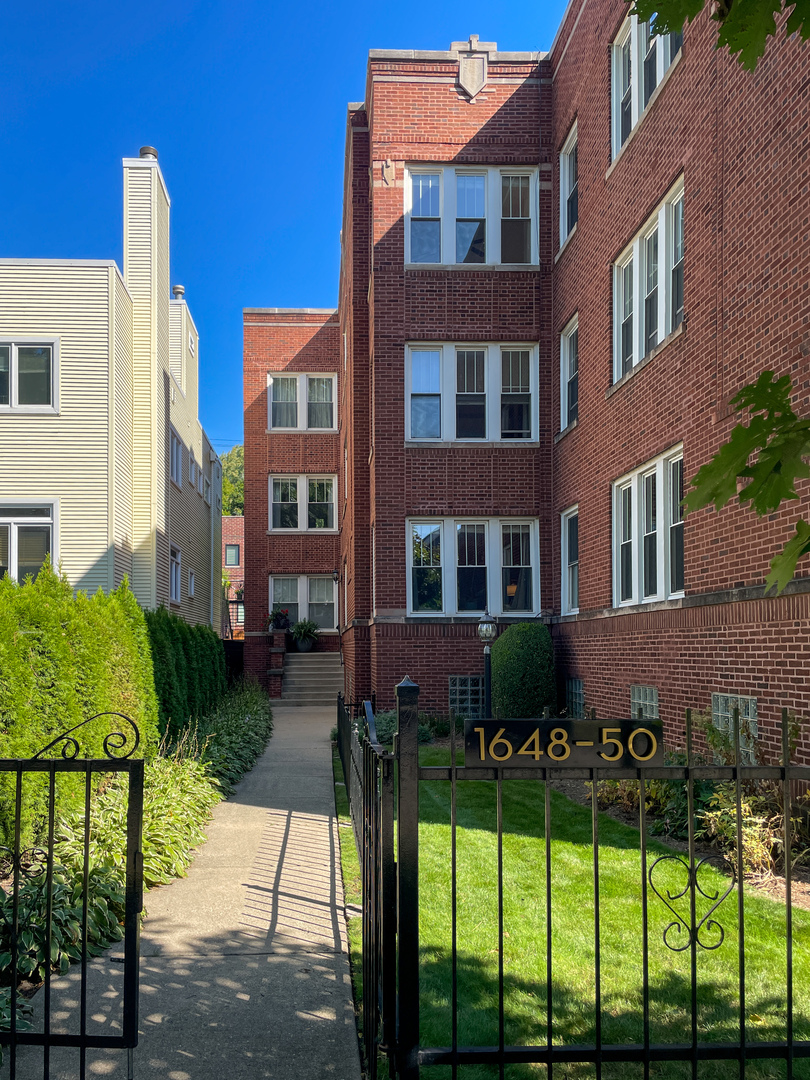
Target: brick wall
[[233, 532]]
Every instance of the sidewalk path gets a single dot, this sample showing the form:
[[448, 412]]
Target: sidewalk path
[[244, 965]]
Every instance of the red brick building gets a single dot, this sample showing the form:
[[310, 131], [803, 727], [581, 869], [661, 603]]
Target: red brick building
[[557, 270], [233, 568]]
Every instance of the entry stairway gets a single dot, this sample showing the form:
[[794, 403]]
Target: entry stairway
[[311, 679]]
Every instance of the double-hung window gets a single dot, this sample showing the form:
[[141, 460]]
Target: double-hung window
[[639, 60], [305, 597], [569, 374], [302, 503], [26, 538], [27, 376], [301, 402], [648, 285], [192, 468], [462, 216], [175, 458], [472, 392], [175, 583], [569, 186], [570, 561], [464, 566], [648, 552]]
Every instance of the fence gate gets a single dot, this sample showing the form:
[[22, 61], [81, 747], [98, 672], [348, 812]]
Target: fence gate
[[670, 970], [47, 912]]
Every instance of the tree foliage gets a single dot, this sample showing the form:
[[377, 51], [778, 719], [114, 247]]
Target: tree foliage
[[744, 25], [768, 456], [233, 481]]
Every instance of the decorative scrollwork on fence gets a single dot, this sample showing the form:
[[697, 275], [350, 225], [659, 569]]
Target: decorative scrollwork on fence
[[30, 863], [114, 743], [710, 928]]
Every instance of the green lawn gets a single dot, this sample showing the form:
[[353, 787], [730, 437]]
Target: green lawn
[[573, 950]]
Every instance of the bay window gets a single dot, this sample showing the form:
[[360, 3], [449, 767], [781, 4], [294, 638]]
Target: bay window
[[648, 551], [467, 393], [463, 216], [460, 566]]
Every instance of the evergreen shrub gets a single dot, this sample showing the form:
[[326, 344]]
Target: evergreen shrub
[[523, 681]]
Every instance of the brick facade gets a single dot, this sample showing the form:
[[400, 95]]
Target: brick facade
[[233, 537], [742, 164]]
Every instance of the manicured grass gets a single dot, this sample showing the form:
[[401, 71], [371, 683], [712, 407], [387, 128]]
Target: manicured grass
[[352, 881], [573, 946]]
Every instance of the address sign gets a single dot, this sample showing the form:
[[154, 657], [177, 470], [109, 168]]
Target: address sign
[[573, 743]]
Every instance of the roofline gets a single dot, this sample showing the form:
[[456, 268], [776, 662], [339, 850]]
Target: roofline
[[571, 4], [79, 263], [426, 54], [289, 311]]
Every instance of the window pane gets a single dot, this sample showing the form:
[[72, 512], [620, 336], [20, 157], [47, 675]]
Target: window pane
[[516, 574], [426, 241], [5, 366], [470, 197], [240, 614], [231, 554], [4, 552], [676, 578], [470, 397], [471, 568], [321, 508], [626, 545], [675, 44], [515, 197], [516, 241], [425, 195], [322, 602], [572, 206], [319, 414], [426, 416], [10, 511], [34, 377], [625, 88], [33, 544], [470, 241], [285, 504], [573, 376], [425, 372], [650, 547]]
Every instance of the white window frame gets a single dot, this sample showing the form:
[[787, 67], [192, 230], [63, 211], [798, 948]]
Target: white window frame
[[566, 339], [175, 458], [302, 390], [191, 583], [492, 386], [207, 494], [303, 595], [192, 468], [14, 406], [447, 211], [659, 468], [569, 179], [302, 492], [661, 220], [569, 605], [646, 699], [200, 480], [667, 48], [175, 571], [14, 522], [493, 541]]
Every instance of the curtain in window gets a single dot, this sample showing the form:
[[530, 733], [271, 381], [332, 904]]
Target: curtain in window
[[285, 594], [285, 403], [319, 403], [322, 602]]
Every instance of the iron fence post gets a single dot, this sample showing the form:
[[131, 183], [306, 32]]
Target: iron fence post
[[407, 693]]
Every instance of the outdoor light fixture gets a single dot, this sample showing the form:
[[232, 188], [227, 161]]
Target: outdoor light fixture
[[336, 576], [487, 631]]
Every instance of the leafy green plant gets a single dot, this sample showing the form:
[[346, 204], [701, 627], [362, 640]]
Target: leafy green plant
[[523, 671], [304, 630], [778, 441], [386, 724]]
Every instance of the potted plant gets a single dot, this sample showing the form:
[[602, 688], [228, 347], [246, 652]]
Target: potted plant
[[305, 634], [278, 618]]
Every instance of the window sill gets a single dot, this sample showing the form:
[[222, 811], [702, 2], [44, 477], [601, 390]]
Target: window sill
[[302, 532], [301, 431], [33, 410], [476, 267], [466, 444], [561, 434], [176, 484], [565, 243], [655, 95], [628, 375]]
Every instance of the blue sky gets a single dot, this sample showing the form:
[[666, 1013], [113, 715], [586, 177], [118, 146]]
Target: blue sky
[[246, 104]]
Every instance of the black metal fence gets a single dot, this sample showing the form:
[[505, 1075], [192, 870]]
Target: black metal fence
[[35, 885], [692, 904]]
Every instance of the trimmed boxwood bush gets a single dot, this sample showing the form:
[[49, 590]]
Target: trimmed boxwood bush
[[523, 681]]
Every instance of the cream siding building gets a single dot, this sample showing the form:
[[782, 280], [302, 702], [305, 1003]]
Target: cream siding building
[[97, 369]]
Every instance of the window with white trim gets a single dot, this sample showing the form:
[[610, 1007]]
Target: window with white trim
[[639, 60], [306, 597], [302, 503], [466, 696], [471, 392], [174, 574], [27, 376], [645, 699], [648, 285], [569, 374], [200, 480], [569, 186], [648, 554], [575, 698], [723, 706], [175, 458], [192, 468], [207, 495], [301, 402], [240, 614], [570, 561], [480, 215], [26, 538], [459, 566], [191, 583]]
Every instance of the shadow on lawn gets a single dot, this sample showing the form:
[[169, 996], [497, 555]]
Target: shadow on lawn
[[573, 1022]]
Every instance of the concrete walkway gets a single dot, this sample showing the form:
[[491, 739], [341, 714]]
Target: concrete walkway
[[244, 965]]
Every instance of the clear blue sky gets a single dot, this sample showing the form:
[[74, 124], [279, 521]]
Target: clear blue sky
[[246, 104]]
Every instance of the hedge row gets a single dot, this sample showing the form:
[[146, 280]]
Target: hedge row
[[523, 682], [189, 670], [62, 660]]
